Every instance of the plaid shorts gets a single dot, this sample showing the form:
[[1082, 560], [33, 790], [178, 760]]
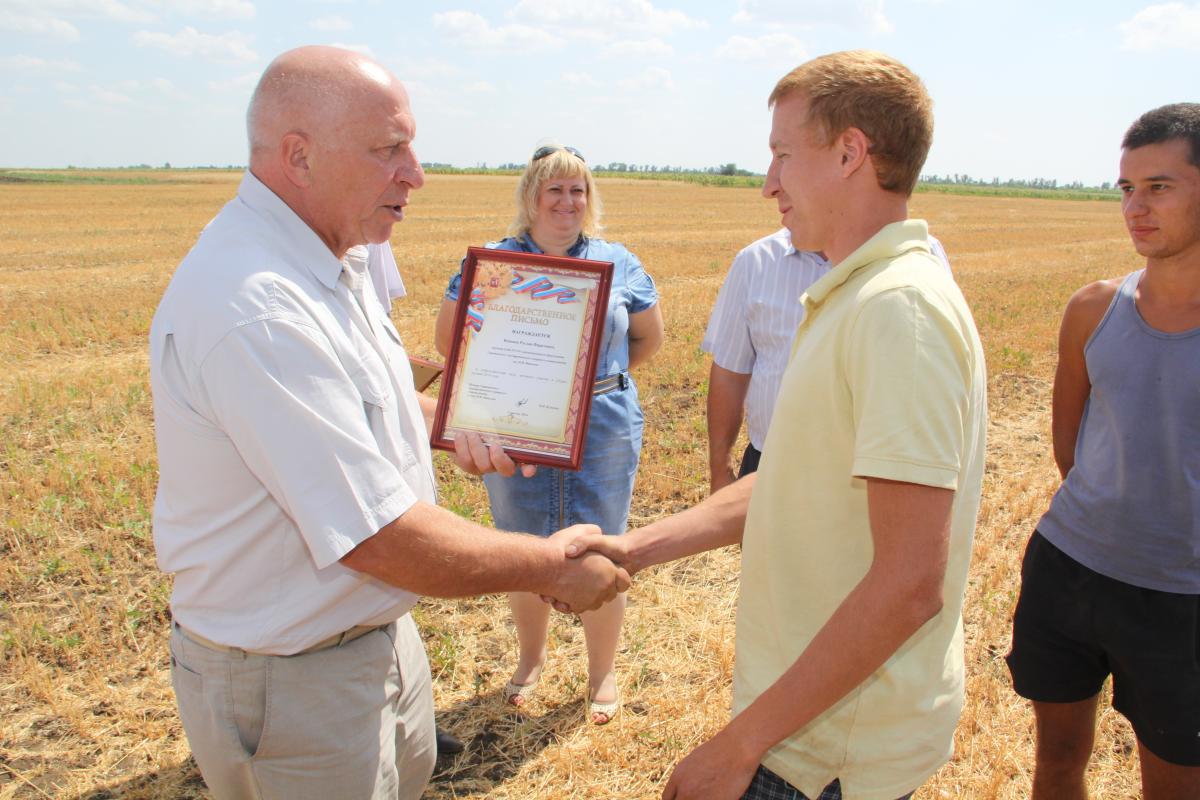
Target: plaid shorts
[[769, 786]]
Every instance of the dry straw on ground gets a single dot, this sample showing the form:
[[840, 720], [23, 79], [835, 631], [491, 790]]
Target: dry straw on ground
[[86, 709]]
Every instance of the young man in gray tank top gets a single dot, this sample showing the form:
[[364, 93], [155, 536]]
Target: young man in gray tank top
[[1111, 578]]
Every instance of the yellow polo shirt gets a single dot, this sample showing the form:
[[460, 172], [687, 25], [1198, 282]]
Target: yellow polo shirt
[[886, 380]]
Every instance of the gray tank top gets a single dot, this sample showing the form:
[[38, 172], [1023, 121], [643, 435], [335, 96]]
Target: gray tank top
[[1130, 506]]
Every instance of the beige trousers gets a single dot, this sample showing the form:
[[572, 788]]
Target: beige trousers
[[353, 721]]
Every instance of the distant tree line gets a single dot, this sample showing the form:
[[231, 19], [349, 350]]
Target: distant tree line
[[730, 169], [724, 169], [613, 166], [1012, 183]]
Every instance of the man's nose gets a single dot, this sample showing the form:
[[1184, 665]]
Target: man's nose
[[770, 185], [411, 173], [1135, 204]]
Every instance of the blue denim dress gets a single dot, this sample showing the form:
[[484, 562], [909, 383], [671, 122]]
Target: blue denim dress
[[599, 493]]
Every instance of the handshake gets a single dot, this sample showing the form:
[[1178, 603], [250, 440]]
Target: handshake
[[594, 569]]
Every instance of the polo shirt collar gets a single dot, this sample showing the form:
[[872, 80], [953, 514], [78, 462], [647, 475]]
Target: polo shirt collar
[[889, 242], [290, 230]]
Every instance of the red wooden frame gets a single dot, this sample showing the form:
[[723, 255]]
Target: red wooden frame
[[488, 269]]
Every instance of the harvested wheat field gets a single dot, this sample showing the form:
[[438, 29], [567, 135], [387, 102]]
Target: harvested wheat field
[[87, 709]]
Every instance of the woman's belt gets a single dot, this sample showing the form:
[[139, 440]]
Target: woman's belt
[[612, 383]]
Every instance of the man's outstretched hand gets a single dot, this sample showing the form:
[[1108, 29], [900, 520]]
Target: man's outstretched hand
[[587, 580], [585, 543]]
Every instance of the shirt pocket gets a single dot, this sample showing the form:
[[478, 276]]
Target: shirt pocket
[[370, 377], [381, 408]]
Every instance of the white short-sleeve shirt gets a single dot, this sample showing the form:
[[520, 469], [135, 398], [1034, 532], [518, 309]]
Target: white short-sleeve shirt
[[288, 432], [756, 315]]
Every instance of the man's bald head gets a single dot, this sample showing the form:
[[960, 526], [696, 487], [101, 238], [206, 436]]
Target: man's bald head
[[310, 90], [331, 135]]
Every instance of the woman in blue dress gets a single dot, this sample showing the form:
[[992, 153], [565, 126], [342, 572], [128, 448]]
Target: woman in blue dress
[[558, 213]]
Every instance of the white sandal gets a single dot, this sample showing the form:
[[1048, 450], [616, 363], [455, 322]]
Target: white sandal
[[609, 710], [514, 692]]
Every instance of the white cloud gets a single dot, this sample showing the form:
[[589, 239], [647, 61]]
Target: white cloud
[[38, 25], [1163, 26], [163, 87], [110, 9], [650, 78], [639, 48], [23, 63], [589, 17], [65, 87], [578, 79], [472, 29], [331, 23], [53, 17], [363, 49], [480, 87], [108, 97], [189, 42], [223, 9], [428, 69], [242, 83], [107, 9], [857, 15], [770, 47]]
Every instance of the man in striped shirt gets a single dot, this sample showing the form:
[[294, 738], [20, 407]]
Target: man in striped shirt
[[750, 338]]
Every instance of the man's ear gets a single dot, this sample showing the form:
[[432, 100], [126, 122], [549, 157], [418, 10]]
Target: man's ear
[[855, 150], [294, 153]]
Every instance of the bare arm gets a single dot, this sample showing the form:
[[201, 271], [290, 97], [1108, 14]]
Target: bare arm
[[1072, 386], [431, 551], [443, 333], [645, 335], [726, 402], [901, 591], [716, 522], [428, 409]]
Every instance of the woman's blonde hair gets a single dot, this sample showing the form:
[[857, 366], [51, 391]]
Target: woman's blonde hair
[[561, 163]]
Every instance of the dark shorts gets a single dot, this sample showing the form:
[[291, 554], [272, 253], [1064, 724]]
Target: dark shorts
[[1073, 627], [750, 460], [766, 785]]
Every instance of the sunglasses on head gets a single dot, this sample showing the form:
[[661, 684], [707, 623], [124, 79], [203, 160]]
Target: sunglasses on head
[[542, 152]]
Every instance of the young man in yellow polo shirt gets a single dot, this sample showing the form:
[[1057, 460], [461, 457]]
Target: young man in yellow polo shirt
[[857, 528]]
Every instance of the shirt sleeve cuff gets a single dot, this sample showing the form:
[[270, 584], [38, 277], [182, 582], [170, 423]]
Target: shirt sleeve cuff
[[336, 542], [454, 287], [906, 472]]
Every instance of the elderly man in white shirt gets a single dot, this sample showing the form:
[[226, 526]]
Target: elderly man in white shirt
[[750, 337], [296, 502]]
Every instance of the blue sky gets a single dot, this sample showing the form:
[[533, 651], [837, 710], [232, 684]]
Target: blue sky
[[1021, 89]]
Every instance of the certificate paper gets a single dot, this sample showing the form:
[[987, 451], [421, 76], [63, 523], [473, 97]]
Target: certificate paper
[[522, 362]]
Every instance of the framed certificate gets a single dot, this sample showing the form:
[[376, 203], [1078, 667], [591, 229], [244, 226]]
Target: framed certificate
[[522, 362]]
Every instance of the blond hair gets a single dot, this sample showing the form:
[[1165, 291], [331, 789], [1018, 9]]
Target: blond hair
[[878, 95], [560, 164]]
